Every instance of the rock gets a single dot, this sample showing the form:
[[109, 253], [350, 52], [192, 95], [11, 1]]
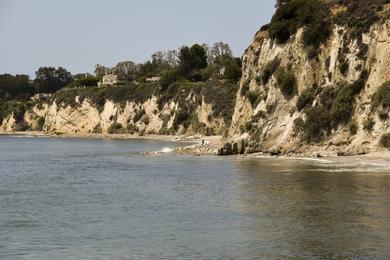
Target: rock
[[235, 148], [227, 149], [241, 147], [274, 152]]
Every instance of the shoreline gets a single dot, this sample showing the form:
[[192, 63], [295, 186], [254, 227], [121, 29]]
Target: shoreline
[[210, 146], [197, 139]]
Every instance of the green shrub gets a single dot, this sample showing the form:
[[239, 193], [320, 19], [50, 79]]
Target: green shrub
[[299, 125], [132, 129], [381, 98], [317, 124], [286, 81], [145, 119], [360, 15], [253, 97], [40, 123], [353, 127], [269, 70], [88, 81], [181, 117], [116, 128], [368, 124], [385, 140], [97, 129], [306, 98], [22, 126], [245, 88], [168, 78], [138, 115], [294, 14], [343, 106], [383, 114], [343, 66]]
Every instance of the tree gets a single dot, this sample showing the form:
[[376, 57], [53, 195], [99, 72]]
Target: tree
[[281, 2], [101, 70], [233, 70], [185, 61], [194, 58], [172, 57], [126, 71], [218, 51], [49, 79], [15, 87]]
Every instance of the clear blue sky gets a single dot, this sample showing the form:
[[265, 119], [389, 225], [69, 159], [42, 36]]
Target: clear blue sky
[[77, 34]]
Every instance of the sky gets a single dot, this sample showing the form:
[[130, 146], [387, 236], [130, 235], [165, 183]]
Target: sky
[[78, 34]]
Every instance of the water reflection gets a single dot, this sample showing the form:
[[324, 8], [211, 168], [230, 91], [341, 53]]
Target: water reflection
[[299, 210]]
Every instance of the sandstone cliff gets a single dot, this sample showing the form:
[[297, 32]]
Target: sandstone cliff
[[330, 108], [185, 110]]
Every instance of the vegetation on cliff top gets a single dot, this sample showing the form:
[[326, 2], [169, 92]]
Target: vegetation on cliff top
[[294, 14]]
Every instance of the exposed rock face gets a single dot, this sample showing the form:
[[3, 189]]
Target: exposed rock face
[[133, 118], [268, 124]]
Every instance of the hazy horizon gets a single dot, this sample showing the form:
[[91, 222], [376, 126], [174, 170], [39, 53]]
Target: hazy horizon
[[79, 34]]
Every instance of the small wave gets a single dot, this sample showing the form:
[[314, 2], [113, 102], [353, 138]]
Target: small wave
[[162, 151], [166, 150]]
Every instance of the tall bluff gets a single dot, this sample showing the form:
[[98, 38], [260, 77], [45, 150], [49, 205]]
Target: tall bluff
[[316, 115], [185, 109]]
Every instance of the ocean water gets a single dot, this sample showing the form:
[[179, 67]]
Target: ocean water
[[112, 199]]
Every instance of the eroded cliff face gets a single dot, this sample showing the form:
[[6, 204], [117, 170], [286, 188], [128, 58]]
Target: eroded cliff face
[[267, 120], [130, 117]]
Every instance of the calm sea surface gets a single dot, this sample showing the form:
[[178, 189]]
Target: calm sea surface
[[106, 199]]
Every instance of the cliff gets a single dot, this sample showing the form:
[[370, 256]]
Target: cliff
[[184, 109], [328, 97]]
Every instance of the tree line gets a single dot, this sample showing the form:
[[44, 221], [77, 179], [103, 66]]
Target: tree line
[[195, 63]]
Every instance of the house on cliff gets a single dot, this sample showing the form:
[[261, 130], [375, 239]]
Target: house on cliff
[[109, 80]]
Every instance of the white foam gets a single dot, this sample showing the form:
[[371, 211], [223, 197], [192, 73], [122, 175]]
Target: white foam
[[166, 150]]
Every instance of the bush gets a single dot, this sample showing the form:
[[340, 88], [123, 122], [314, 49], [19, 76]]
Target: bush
[[343, 66], [317, 33], [245, 88], [368, 125], [294, 14], [145, 119], [353, 128], [89, 81], [360, 15], [286, 81], [381, 98], [253, 97], [317, 124], [40, 123], [180, 118], [383, 115], [299, 125], [306, 98], [168, 78], [343, 104], [97, 129], [342, 107], [116, 128], [269, 70], [138, 115], [131, 129], [385, 140]]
